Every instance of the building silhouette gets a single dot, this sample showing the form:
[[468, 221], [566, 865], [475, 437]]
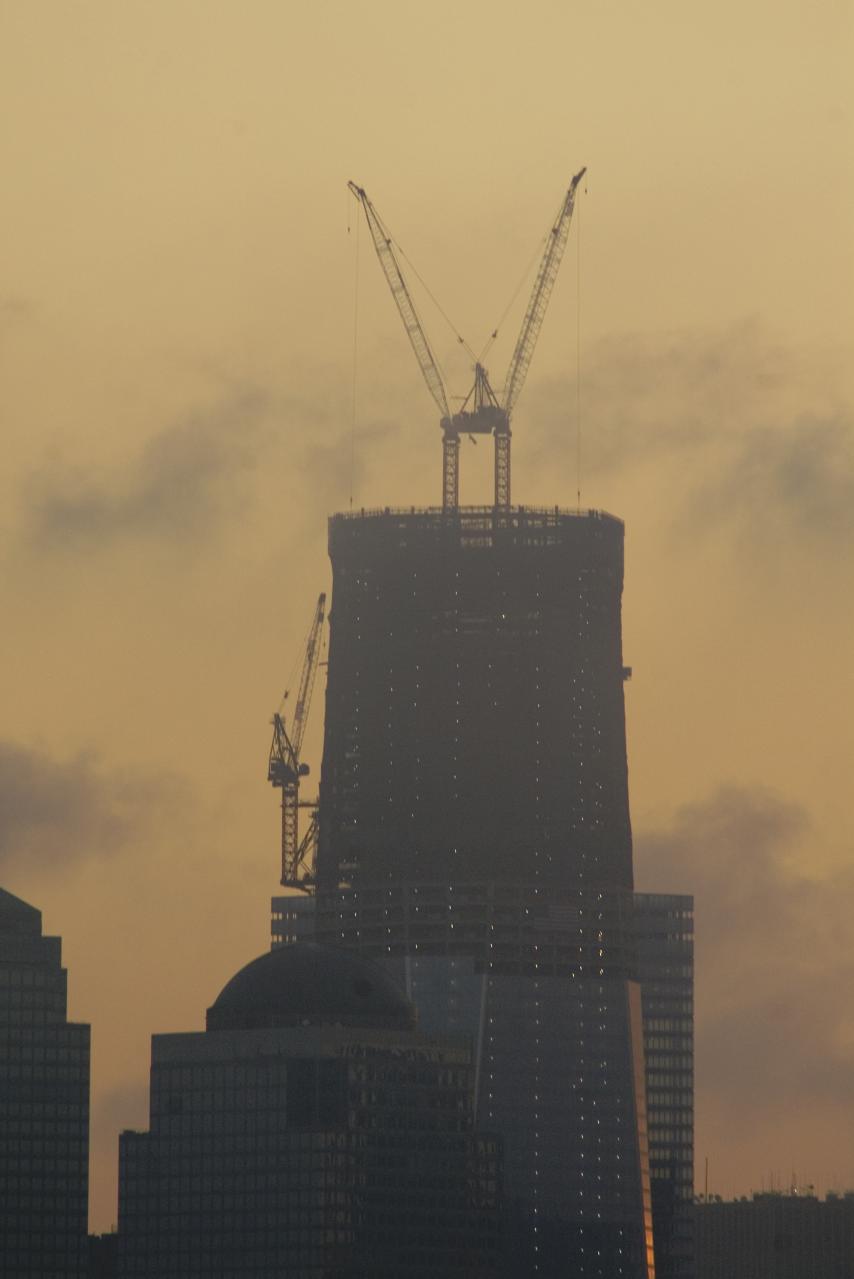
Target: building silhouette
[[475, 838], [310, 1131], [776, 1236], [663, 925], [474, 722], [44, 1105], [664, 932]]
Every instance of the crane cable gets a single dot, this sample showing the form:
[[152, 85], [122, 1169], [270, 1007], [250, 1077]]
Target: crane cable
[[431, 295], [538, 252], [299, 661], [393, 243], [355, 350], [293, 676], [578, 354]]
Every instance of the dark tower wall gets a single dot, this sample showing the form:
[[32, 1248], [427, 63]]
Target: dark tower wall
[[44, 1106], [474, 718], [475, 838]]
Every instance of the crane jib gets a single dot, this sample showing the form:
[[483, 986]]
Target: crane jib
[[488, 414], [285, 766]]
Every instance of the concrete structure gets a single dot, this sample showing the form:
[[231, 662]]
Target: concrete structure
[[474, 709], [312, 1132], [475, 838], [44, 1105], [776, 1236]]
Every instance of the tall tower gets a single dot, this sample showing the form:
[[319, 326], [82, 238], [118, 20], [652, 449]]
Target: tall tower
[[475, 837], [44, 1105]]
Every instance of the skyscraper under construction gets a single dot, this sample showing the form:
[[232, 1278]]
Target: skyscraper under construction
[[475, 834], [474, 711], [474, 831]]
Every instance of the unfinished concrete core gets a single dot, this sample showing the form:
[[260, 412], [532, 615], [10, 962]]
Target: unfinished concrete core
[[475, 724]]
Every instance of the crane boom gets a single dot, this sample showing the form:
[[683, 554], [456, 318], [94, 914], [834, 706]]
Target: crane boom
[[487, 415], [285, 767], [309, 672], [403, 300], [542, 291]]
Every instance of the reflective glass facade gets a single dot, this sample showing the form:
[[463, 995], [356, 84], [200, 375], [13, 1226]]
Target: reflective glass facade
[[448, 995], [315, 1153], [541, 982], [664, 928]]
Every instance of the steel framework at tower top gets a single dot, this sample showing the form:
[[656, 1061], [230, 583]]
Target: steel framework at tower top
[[483, 413]]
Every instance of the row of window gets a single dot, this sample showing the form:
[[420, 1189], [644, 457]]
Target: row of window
[[20, 975], [54, 1030]]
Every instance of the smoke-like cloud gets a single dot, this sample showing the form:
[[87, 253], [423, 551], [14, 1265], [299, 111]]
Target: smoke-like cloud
[[185, 481], [774, 953], [744, 432], [334, 466], [56, 813], [799, 477], [14, 308]]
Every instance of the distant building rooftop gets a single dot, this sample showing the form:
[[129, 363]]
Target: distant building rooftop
[[17, 915]]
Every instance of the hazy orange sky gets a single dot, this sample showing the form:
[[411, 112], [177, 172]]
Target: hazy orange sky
[[177, 289]]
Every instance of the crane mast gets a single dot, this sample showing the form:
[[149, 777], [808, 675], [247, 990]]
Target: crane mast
[[285, 766], [487, 415]]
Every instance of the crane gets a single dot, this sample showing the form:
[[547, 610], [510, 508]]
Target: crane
[[285, 766], [482, 413]]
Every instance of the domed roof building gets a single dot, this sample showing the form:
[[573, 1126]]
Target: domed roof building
[[310, 1130], [308, 985]]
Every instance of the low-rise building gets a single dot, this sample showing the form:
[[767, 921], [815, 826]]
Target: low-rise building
[[310, 1131], [776, 1236]]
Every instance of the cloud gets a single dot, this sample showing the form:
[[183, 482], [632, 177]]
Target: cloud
[[774, 954], [747, 433], [57, 813], [14, 309], [185, 481], [799, 477], [194, 477], [335, 466]]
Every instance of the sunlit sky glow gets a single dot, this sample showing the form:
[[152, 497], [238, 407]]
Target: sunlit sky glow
[[177, 283]]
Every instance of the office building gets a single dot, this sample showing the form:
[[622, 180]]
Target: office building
[[44, 1106], [664, 932], [776, 1236], [311, 1131], [663, 927]]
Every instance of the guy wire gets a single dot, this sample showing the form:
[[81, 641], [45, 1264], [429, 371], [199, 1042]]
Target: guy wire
[[355, 359]]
